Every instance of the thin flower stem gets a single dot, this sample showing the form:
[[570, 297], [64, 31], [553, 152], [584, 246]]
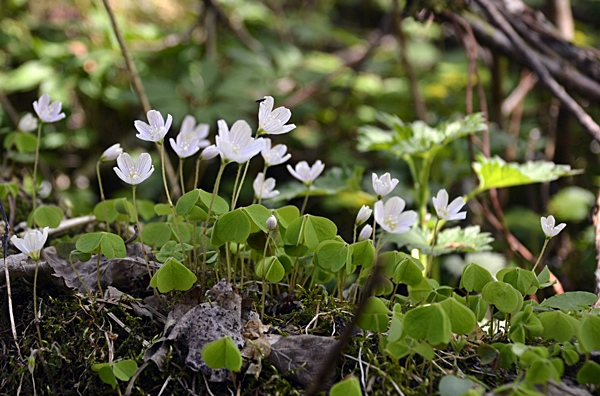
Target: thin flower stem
[[102, 195], [305, 199], [35, 166], [87, 290], [36, 319], [264, 282], [430, 261], [263, 182], [197, 173], [181, 176], [137, 222], [98, 273], [227, 257], [235, 186], [205, 230], [541, 254], [241, 184], [161, 148], [354, 237]]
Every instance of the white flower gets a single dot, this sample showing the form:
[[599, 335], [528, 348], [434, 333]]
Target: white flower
[[264, 188], [549, 228], [191, 131], [238, 144], [134, 173], [210, 152], [276, 155], [273, 121], [365, 233], [383, 185], [363, 214], [156, 130], [46, 111], [306, 174], [272, 222], [111, 153], [32, 242], [449, 212], [391, 218], [28, 123], [185, 146]]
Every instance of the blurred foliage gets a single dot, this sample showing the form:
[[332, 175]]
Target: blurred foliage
[[336, 64]]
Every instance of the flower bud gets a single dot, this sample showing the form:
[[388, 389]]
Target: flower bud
[[28, 123], [210, 152], [365, 233], [272, 222], [363, 214], [111, 153]]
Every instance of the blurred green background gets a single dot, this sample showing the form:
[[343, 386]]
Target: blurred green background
[[335, 64]]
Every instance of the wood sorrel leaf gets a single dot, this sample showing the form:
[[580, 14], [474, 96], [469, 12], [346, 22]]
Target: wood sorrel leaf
[[258, 214], [332, 255], [363, 254], [219, 206], [374, 316], [317, 230], [571, 301], [105, 373], [271, 268], [222, 353], [409, 271], [475, 277], [156, 234], [429, 322], [347, 387], [112, 246], [48, 216], [173, 275], [589, 373], [558, 326], [286, 215], [589, 333], [525, 281], [503, 296], [462, 319], [451, 385], [187, 201], [124, 369], [111, 213], [88, 243], [231, 227]]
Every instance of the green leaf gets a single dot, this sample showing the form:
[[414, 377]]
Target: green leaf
[[572, 204], [8, 188], [525, 281], [542, 370], [156, 234], [502, 295], [420, 292], [462, 319], [451, 385], [589, 373], [162, 209], [89, 243], [219, 205], [589, 333], [111, 212], [425, 350], [571, 301], [173, 275], [49, 216], [429, 322], [332, 255], [259, 215], [347, 387], [496, 173], [231, 227], [222, 353], [123, 206], [374, 316], [112, 246], [125, 369], [558, 326], [105, 373], [475, 277], [271, 268], [25, 142], [187, 202], [145, 209], [409, 271], [286, 215], [172, 249], [317, 230]]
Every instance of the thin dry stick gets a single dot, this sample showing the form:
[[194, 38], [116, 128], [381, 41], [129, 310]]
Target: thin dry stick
[[139, 88], [6, 273]]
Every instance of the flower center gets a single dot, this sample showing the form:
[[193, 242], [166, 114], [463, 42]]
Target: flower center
[[391, 222]]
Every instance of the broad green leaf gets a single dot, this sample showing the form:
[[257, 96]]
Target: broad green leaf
[[156, 234], [589, 333], [542, 370], [219, 205], [8, 188], [497, 173], [162, 209], [462, 319], [589, 373], [25, 142], [231, 227], [222, 353], [525, 281], [558, 326], [317, 230], [363, 254], [374, 316], [409, 271], [258, 214], [295, 231], [572, 204], [105, 373], [425, 350], [429, 322], [89, 243], [419, 292], [123, 206], [396, 328], [451, 385], [49, 216], [112, 246], [145, 209], [286, 215], [271, 268], [182, 229], [111, 212], [544, 278], [503, 296], [347, 387], [398, 349], [475, 277], [187, 201], [173, 275], [478, 306], [172, 249], [332, 255], [571, 301], [125, 369]]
